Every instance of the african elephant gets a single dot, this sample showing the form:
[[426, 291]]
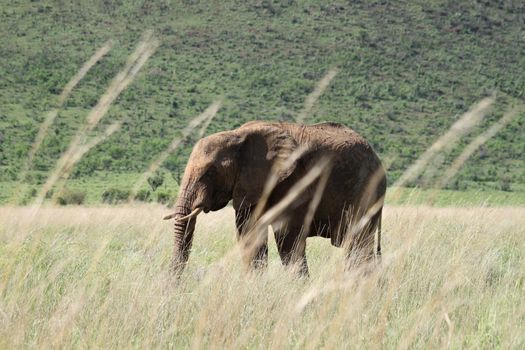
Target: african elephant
[[235, 165]]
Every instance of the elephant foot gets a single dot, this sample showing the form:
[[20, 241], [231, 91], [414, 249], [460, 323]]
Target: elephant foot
[[300, 268]]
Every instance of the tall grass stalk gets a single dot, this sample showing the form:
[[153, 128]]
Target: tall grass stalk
[[476, 144], [445, 142], [203, 118], [98, 277], [82, 150], [137, 59], [312, 98], [97, 56], [51, 115]]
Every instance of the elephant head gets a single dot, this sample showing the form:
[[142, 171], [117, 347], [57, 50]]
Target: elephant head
[[224, 166]]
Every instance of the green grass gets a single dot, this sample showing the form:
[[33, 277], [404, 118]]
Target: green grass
[[98, 278], [92, 187], [448, 198], [406, 71]]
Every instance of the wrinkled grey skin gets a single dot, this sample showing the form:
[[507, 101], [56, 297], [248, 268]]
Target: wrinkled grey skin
[[234, 165]]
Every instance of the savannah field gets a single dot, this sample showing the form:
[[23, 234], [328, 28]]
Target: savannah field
[[99, 278], [102, 102]]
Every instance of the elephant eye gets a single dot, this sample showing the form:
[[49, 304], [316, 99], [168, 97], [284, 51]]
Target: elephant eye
[[211, 172], [226, 162]]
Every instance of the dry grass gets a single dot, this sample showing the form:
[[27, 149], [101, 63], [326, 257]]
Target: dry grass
[[98, 277]]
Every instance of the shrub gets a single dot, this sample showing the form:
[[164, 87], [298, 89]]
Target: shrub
[[115, 196], [156, 180], [504, 184], [28, 196], [165, 198], [50, 194], [457, 185], [68, 197], [143, 196]]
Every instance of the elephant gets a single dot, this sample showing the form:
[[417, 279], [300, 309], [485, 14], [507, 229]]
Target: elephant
[[235, 165]]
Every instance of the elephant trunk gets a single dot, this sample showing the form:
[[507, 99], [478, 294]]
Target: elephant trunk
[[183, 232]]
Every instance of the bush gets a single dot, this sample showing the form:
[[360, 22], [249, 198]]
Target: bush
[[165, 198], [28, 196], [457, 185], [143, 196], [115, 196], [505, 184], [68, 197], [156, 180]]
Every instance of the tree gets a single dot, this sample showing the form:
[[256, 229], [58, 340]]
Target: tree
[[156, 180]]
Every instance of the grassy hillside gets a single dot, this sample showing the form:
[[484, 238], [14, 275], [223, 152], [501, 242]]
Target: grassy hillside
[[98, 278], [407, 70]]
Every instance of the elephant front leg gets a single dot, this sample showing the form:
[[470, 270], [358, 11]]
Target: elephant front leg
[[292, 249], [254, 243]]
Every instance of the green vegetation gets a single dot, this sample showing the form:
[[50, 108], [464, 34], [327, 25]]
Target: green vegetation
[[449, 198], [67, 197], [407, 70], [94, 187], [115, 196], [81, 277]]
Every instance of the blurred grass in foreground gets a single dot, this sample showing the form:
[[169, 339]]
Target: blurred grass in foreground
[[98, 277]]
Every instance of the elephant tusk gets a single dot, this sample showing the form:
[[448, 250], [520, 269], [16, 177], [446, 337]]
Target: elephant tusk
[[167, 217], [191, 215], [184, 218]]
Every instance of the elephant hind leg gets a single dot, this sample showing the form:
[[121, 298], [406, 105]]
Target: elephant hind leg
[[292, 249], [361, 247]]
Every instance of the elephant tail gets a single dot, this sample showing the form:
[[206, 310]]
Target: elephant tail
[[378, 247]]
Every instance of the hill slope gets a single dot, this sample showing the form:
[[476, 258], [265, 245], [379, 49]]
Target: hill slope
[[407, 70]]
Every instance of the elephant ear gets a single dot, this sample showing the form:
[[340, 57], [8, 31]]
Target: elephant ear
[[264, 147]]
